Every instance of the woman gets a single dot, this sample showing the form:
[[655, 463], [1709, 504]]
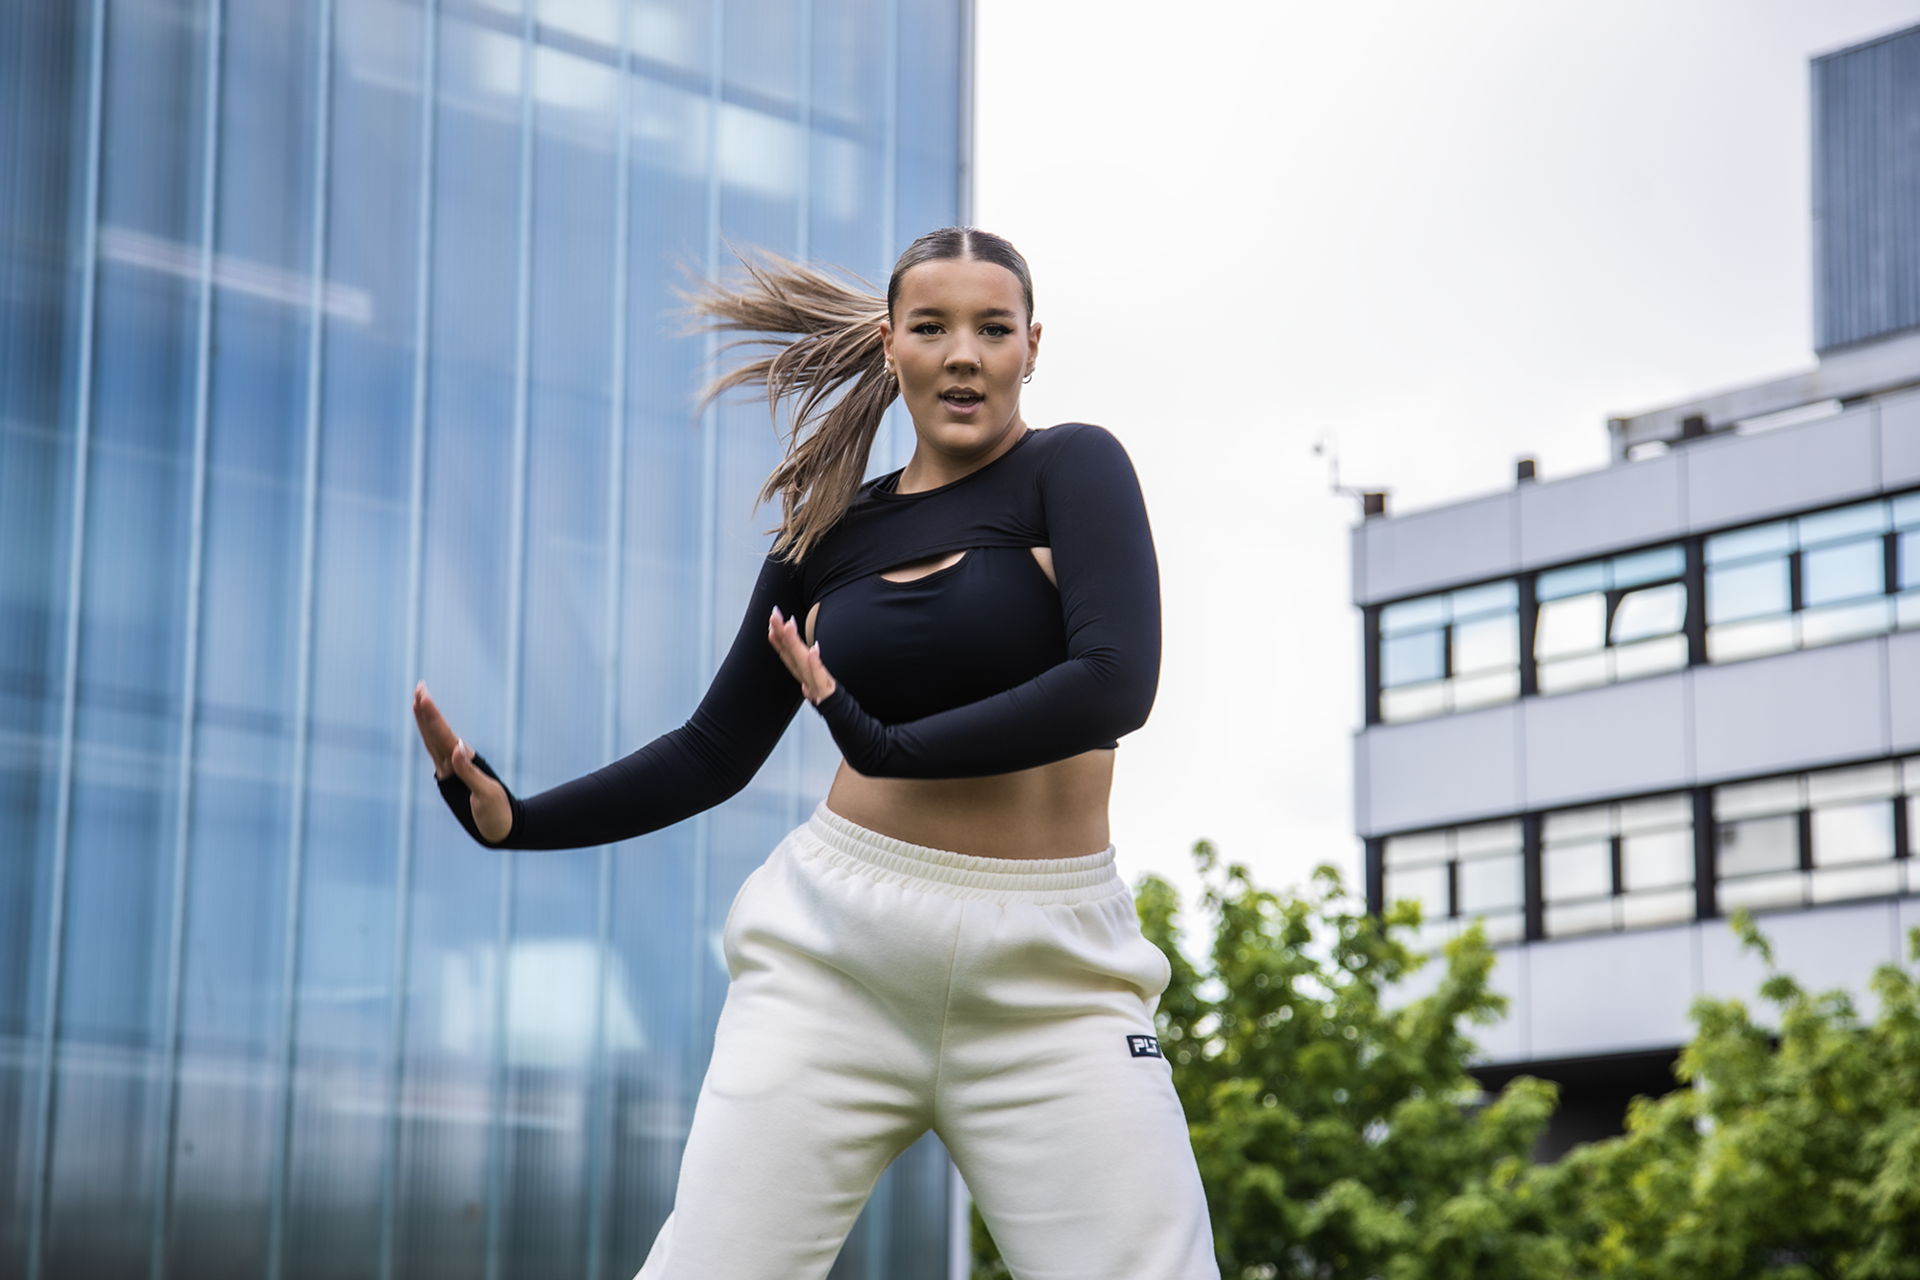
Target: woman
[[945, 944]]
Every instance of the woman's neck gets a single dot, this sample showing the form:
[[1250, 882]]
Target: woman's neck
[[933, 465]]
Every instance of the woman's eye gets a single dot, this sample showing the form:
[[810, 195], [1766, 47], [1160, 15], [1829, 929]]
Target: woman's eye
[[927, 327], [996, 331]]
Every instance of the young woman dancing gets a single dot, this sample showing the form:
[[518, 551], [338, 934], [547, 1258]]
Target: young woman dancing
[[945, 944]]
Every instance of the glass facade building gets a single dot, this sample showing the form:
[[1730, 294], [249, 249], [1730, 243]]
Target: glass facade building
[[338, 348]]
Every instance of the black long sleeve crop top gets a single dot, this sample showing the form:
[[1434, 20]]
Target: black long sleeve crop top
[[977, 669]]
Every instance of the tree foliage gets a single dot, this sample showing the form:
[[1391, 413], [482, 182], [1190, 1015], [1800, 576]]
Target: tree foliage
[[1339, 1135]]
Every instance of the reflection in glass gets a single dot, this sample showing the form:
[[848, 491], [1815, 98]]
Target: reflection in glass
[[1741, 544], [1617, 866], [1836, 526], [1575, 625], [354, 1044], [1571, 872], [1857, 832], [1450, 652], [1748, 591], [1655, 611], [1603, 622], [1843, 572], [1490, 884], [1485, 645], [1413, 659], [1659, 860], [1758, 845]]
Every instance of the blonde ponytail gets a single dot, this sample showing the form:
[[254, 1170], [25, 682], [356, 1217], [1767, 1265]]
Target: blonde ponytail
[[826, 335]]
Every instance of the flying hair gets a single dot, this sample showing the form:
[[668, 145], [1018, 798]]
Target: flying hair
[[827, 362]]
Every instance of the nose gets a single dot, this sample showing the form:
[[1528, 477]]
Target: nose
[[965, 355]]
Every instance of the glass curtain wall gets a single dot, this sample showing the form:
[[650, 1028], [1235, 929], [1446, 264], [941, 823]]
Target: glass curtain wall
[[338, 349]]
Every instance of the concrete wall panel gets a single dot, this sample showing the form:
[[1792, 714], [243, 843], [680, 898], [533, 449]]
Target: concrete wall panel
[[1443, 770], [1612, 741], [1601, 511], [1740, 478], [1900, 442], [1611, 993], [1506, 1040], [1837, 946], [1796, 710], [1428, 550], [1903, 690]]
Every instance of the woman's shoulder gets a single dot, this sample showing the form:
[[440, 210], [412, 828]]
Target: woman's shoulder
[[1080, 453]]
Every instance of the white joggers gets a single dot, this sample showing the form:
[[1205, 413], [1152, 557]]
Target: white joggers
[[881, 989]]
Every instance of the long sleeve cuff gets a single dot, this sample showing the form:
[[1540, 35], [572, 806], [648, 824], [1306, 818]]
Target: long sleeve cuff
[[863, 740], [459, 798]]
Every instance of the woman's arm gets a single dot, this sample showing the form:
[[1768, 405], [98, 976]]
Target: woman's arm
[[705, 761], [1110, 593]]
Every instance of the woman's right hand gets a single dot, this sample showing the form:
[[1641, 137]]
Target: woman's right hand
[[492, 813]]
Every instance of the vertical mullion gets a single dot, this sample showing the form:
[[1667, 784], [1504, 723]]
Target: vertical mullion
[[1705, 894], [416, 553], [1532, 895], [516, 640], [169, 1048], [802, 251], [889, 189], [1696, 622], [598, 1086], [282, 1170], [1370, 662], [52, 993], [964, 211], [709, 550], [1529, 625]]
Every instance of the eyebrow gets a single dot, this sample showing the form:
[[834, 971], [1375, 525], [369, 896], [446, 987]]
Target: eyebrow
[[995, 312]]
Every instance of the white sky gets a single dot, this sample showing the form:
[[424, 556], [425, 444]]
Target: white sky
[[1448, 235]]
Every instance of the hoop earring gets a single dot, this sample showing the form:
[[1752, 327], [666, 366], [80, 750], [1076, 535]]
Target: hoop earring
[[1029, 378]]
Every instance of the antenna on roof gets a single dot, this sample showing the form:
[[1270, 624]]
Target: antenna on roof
[[1373, 502]]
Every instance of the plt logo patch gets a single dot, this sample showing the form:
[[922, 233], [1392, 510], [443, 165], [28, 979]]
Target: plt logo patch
[[1143, 1046]]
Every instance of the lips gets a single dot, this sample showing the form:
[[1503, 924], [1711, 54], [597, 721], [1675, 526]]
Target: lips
[[961, 397]]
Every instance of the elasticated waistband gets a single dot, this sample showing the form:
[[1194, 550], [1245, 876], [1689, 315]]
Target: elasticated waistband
[[958, 875]]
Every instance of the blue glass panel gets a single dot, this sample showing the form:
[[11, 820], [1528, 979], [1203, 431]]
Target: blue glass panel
[[1412, 658], [1847, 522], [1478, 602], [1747, 591], [1766, 539], [1909, 556], [1843, 572], [1648, 566], [490, 1136], [1413, 615], [1906, 511], [1557, 584]]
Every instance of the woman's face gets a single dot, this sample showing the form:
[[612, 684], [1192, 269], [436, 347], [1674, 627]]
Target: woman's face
[[960, 342]]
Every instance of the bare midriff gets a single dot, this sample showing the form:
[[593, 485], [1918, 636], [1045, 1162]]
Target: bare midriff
[[1058, 810]]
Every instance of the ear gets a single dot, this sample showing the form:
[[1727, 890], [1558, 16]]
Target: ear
[[886, 337], [1033, 344]]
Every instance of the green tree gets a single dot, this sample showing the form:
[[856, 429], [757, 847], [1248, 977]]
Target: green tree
[[1796, 1154], [1337, 1135]]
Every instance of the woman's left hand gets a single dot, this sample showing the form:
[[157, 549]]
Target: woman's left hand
[[801, 659]]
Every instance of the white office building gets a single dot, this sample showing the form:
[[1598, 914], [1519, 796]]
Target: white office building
[[1605, 711]]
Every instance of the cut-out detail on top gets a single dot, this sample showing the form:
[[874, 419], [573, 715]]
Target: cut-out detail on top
[[914, 570]]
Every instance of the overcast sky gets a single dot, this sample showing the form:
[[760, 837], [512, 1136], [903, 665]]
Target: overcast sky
[[1445, 235]]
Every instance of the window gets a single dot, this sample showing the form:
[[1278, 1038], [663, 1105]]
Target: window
[[1458, 876], [1617, 866], [1819, 579], [1610, 620], [1450, 652], [1818, 837]]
